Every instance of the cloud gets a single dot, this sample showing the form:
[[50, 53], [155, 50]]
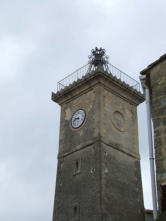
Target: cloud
[[40, 43], [13, 56], [22, 195]]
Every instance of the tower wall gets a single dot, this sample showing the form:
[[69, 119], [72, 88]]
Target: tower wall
[[122, 197], [78, 190], [98, 175], [78, 175]]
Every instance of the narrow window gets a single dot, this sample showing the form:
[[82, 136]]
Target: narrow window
[[77, 166], [163, 198], [76, 211]]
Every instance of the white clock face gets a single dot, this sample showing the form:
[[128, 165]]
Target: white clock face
[[78, 118]]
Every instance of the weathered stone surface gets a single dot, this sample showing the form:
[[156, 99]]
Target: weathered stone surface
[[98, 175], [163, 216], [164, 121], [158, 141], [157, 73], [149, 215], [156, 122], [157, 132], [80, 189], [121, 180], [165, 140]]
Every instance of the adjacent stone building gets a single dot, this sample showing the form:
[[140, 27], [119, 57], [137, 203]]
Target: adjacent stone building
[[156, 80], [148, 215], [98, 175]]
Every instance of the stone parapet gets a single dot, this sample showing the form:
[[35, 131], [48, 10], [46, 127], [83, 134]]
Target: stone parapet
[[98, 77]]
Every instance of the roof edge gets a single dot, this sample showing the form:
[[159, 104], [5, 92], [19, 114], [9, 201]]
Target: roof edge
[[149, 67]]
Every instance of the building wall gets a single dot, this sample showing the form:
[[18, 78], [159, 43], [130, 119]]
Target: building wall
[[158, 98], [121, 180], [79, 188], [107, 185], [148, 215]]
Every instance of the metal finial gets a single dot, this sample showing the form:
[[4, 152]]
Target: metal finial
[[98, 58]]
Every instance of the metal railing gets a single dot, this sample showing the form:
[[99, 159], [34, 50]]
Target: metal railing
[[112, 70], [74, 76]]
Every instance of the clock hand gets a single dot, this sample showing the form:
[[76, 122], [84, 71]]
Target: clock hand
[[77, 118]]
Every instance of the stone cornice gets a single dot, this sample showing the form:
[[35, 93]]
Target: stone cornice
[[148, 69], [101, 141], [94, 78]]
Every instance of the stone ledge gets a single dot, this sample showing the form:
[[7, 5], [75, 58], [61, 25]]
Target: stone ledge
[[96, 76], [146, 70], [100, 140]]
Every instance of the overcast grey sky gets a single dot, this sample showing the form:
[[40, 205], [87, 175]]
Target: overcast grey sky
[[40, 43]]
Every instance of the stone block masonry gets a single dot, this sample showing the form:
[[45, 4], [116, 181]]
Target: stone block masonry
[[98, 177], [156, 75]]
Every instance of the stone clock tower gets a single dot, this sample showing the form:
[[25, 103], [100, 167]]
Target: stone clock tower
[[98, 175]]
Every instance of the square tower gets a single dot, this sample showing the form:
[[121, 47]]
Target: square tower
[[98, 175]]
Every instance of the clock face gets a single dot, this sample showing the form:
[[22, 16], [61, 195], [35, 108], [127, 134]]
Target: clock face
[[78, 118]]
